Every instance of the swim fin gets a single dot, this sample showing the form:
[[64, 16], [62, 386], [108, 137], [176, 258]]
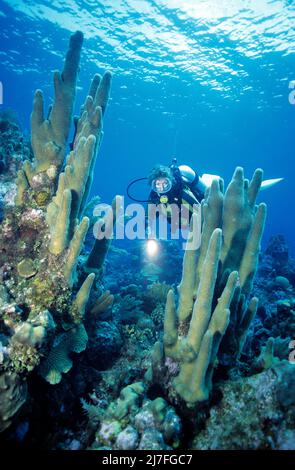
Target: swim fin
[[207, 180], [268, 183]]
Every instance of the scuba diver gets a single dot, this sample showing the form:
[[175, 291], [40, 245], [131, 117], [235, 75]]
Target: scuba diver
[[180, 186], [174, 185]]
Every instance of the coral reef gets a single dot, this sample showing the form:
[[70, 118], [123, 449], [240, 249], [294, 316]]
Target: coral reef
[[13, 394], [183, 380], [134, 422], [93, 356], [156, 294], [14, 149], [104, 345], [213, 312], [44, 296], [255, 413], [276, 311], [102, 303]]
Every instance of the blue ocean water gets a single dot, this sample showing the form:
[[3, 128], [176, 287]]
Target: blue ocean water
[[206, 81]]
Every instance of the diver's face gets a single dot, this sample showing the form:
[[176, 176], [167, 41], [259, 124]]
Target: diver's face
[[162, 185]]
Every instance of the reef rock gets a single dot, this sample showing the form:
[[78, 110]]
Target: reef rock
[[256, 412]]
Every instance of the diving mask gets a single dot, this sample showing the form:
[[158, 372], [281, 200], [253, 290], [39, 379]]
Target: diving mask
[[161, 185]]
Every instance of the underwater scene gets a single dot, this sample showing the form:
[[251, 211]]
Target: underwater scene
[[147, 249]]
